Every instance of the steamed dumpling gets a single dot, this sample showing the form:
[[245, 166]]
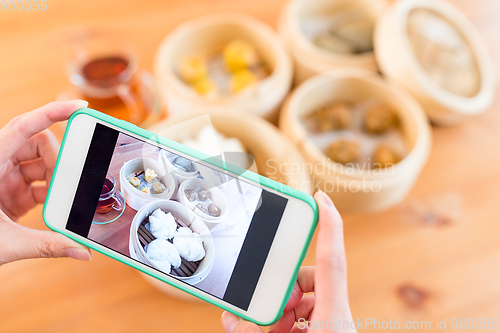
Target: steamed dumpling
[[150, 175], [187, 233], [135, 182], [163, 255], [239, 55], [189, 244], [157, 188], [162, 225]]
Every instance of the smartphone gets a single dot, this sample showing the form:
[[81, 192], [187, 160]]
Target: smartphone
[[224, 234]]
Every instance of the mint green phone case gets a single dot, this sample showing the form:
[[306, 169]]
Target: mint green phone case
[[213, 161]]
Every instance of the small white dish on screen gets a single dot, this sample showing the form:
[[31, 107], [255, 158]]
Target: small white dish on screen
[[136, 197], [216, 196], [167, 159]]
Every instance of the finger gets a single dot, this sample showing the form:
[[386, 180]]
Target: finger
[[33, 170], [305, 307], [24, 126], [285, 324], [288, 319], [42, 145], [301, 311], [304, 284], [331, 267], [294, 299], [299, 328], [19, 242], [233, 324], [39, 192], [305, 279]]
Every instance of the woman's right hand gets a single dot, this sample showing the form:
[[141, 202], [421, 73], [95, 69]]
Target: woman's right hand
[[328, 281]]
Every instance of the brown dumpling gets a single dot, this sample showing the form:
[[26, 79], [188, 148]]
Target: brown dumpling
[[213, 210], [379, 119], [343, 151], [190, 194], [385, 156], [332, 117], [203, 194]]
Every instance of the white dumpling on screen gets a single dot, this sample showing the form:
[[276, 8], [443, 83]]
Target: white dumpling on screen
[[162, 225], [183, 231], [162, 265], [163, 254], [189, 244]]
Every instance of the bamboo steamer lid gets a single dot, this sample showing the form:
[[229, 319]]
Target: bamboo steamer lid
[[397, 60], [275, 155], [343, 184]]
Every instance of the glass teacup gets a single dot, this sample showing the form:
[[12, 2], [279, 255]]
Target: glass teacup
[[110, 198]]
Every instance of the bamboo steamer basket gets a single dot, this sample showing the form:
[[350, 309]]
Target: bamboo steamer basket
[[135, 198], [215, 194], [179, 175], [376, 191], [209, 33], [195, 224], [309, 59], [190, 220], [397, 60], [275, 155]]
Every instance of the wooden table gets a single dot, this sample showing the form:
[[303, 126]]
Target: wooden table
[[437, 255]]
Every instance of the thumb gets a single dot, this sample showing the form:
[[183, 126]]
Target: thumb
[[18, 242], [331, 267], [233, 324]]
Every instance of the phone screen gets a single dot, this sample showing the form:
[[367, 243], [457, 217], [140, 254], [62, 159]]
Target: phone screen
[[199, 225]]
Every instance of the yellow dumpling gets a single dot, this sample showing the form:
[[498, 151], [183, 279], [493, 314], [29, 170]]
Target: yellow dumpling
[[242, 80], [150, 175], [205, 87], [193, 69], [239, 55], [135, 182]]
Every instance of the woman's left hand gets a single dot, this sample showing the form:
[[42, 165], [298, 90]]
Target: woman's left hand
[[28, 155]]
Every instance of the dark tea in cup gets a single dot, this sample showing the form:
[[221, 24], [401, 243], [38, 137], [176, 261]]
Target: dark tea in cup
[[109, 200], [105, 73]]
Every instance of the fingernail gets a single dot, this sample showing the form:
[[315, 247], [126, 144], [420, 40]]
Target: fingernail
[[79, 254], [230, 322], [325, 198], [80, 103]]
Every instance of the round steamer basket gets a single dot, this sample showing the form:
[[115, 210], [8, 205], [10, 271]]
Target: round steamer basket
[[215, 195], [275, 155], [211, 33], [308, 58], [398, 61], [139, 235], [135, 198], [352, 189], [166, 158]]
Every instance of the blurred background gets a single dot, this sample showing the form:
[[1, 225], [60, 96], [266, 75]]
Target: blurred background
[[428, 250]]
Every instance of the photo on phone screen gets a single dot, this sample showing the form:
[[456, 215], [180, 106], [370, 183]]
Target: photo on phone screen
[[185, 219]]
